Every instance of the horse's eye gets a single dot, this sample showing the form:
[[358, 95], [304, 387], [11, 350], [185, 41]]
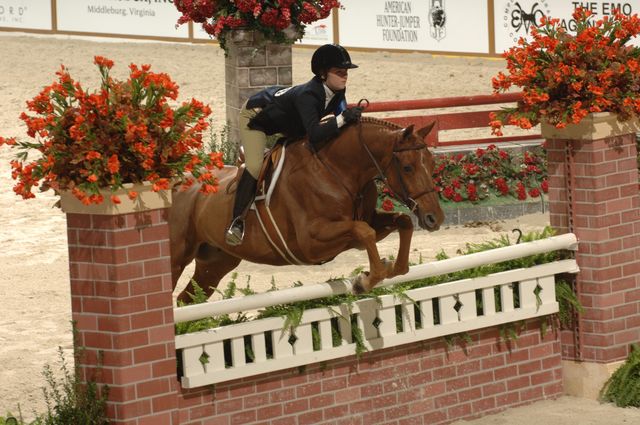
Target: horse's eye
[[407, 168]]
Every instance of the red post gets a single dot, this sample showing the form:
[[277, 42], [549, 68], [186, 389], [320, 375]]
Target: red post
[[121, 293]]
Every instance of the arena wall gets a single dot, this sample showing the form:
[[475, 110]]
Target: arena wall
[[467, 27]]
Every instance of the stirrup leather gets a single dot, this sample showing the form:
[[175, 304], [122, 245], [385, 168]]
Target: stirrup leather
[[235, 233]]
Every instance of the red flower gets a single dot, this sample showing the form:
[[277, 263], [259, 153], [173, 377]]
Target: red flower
[[544, 186], [521, 191], [269, 18], [472, 192], [387, 205]]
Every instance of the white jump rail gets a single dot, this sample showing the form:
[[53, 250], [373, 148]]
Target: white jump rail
[[261, 346]]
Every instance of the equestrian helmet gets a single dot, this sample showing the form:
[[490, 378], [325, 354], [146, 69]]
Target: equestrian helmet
[[330, 56]]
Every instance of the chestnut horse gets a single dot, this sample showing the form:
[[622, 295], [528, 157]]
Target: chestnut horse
[[323, 204]]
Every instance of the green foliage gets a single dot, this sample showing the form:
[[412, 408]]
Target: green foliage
[[623, 388], [71, 401], [13, 420], [568, 301], [199, 296], [68, 399]]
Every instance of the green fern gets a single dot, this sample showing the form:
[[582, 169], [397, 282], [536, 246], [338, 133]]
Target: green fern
[[623, 388]]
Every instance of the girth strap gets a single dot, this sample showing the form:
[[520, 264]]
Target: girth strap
[[272, 232]]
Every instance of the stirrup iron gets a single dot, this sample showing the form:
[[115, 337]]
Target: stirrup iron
[[235, 233]]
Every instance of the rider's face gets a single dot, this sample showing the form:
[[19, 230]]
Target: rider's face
[[337, 78]]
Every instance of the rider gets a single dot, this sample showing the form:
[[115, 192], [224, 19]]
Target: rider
[[294, 112]]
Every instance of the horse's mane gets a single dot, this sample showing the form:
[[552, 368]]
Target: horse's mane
[[378, 121], [364, 120]]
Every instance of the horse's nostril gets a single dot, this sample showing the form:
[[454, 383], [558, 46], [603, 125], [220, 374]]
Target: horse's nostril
[[430, 220]]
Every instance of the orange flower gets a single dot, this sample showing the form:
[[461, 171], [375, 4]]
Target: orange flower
[[113, 164], [556, 68], [132, 195], [125, 132], [102, 61], [91, 155], [115, 199]]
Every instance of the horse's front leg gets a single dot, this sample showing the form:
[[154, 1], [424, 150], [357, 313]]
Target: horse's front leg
[[385, 223], [346, 231]]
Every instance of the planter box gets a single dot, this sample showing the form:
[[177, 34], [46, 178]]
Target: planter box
[[146, 200], [594, 126]]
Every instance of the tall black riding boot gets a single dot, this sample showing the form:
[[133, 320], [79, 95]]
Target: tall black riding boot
[[245, 192]]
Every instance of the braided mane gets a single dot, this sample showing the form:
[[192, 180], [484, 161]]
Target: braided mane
[[378, 121]]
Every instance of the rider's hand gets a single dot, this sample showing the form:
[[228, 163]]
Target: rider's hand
[[351, 114]]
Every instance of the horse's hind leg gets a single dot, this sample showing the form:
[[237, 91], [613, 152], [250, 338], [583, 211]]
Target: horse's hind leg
[[212, 264]]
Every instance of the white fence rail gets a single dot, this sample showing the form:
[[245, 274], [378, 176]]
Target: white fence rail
[[261, 346]]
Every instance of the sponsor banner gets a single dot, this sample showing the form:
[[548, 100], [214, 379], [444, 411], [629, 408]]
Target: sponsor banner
[[155, 18], [514, 18], [319, 32], [433, 25], [27, 14]]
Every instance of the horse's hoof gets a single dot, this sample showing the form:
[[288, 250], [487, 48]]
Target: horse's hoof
[[359, 286], [358, 289]]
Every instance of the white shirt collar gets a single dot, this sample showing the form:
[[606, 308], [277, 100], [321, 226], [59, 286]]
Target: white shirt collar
[[329, 95]]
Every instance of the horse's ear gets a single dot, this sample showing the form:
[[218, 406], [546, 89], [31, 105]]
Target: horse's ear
[[406, 132], [424, 131]]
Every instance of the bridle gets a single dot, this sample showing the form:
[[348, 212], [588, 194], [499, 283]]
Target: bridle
[[406, 198], [409, 200]]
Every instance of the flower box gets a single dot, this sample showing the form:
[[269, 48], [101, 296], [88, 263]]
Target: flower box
[[598, 125], [146, 199]]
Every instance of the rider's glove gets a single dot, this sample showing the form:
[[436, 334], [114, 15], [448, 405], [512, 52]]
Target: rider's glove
[[351, 114]]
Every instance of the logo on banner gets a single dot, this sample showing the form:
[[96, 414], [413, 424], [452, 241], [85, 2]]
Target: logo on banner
[[437, 19], [519, 16]]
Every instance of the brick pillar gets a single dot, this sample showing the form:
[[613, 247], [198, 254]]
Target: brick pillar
[[251, 65], [593, 192], [121, 295]]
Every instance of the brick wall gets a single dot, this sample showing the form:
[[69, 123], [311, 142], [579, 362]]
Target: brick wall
[[603, 178], [121, 300], [425, 383]]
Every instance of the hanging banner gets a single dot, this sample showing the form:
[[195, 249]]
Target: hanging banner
[[156, 18], [27, 14], [433, 25], [513, 19], [319, 32]]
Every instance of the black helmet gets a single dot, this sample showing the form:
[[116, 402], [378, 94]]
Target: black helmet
[[330, 56]]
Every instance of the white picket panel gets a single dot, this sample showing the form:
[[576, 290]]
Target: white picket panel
[[284, 352]]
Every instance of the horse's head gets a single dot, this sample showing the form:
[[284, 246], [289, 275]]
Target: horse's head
[[410, 176]]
